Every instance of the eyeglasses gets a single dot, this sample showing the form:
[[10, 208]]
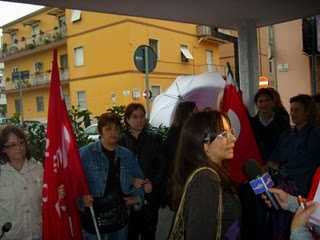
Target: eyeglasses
[[15, 145], [227, 134]]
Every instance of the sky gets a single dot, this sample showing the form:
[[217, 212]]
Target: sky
[[10, 11]]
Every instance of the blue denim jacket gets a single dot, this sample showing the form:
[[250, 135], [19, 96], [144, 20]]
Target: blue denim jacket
[[96, 166]]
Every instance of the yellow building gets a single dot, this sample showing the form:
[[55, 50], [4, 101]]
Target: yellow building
[[96, 58]]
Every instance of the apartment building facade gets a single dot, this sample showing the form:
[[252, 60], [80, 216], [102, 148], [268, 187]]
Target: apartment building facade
[[282, 62], [96, 58]]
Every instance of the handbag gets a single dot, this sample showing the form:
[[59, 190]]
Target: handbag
[[110, 210], [178, 229], [111, 215]]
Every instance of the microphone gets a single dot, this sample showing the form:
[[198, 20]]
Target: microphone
[[259, 181], [5, 228], [252, 169]]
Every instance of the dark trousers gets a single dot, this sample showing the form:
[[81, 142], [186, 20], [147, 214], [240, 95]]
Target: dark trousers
[[143, 223]]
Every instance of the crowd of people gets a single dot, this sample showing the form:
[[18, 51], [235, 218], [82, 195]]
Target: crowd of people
[[133, 173]]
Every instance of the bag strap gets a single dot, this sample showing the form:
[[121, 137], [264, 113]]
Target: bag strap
[[179, 214]]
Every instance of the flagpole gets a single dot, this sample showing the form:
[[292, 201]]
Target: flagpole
[[95, 222]]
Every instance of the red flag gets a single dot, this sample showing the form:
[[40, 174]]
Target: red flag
[[246, 146], [314, 185], [62, 166]]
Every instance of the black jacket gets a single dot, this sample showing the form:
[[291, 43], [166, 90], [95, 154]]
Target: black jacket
[[148, 148], [267, 137]]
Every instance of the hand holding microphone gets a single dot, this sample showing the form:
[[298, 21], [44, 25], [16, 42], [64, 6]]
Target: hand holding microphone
[[260, 182], [281, 196]]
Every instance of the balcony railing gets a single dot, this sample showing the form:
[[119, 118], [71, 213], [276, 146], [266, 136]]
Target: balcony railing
[[33, 42], [37, 79]]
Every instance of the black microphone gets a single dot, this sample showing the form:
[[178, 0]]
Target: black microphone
[[252, 169], [5, 228]]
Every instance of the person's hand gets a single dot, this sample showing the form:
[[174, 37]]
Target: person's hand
[[61, 192], [138, 182], [303, 214], [273, 165], [147, 186], [280, 195], [131, 200], [87, 200]]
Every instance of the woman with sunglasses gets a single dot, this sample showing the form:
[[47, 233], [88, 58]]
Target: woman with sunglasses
[[206, 202]]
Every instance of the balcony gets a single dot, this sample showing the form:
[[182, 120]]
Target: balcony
[[38, 42], [36, 80]]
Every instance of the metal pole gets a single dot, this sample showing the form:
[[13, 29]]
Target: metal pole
[[20, 97], [95, 223], [146, 80]]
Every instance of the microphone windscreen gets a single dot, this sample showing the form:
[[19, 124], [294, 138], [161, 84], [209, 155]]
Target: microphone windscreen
[[6, 227], [252, 169]]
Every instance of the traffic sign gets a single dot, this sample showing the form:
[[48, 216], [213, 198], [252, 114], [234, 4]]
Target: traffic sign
[[140, 58]]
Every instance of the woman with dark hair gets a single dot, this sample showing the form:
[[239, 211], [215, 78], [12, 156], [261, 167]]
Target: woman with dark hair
[[147, 147], [269, 122], [278, 105], [181, 114], [202, 192], [113, 173], [20, 186]]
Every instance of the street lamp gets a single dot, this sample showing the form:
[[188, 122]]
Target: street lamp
[[18, 78]]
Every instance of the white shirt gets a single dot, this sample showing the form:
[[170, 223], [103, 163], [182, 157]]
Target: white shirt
[[20, 200], [266, 122]]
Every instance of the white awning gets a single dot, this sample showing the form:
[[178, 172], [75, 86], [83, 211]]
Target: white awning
[[186, 53], [75, 15]]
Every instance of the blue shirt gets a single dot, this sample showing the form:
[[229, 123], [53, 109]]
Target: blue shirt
[[96, 167], [298, 153]]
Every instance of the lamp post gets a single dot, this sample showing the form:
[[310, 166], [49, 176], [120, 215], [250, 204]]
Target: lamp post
[[18, 78], [21, 98]]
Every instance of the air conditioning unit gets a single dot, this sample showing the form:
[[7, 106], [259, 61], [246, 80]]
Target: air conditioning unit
[[203, 30]]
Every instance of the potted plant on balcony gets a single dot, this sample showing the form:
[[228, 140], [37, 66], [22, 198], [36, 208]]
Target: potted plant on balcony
[[47, 40], [57, 33], [8, 79], [30, 46], [23, 39]]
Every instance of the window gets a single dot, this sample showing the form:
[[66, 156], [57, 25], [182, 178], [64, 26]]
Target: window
[[155, 91], [82, 103], [35, 30], [14, 38], [270, 66], [75, 15], [38, 67], [67, 101], [17, 104], [78, 56], [153, 43], [209, 58], [40, 103], [185, 53], [64, 61], [15, 75], [62, 23]]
